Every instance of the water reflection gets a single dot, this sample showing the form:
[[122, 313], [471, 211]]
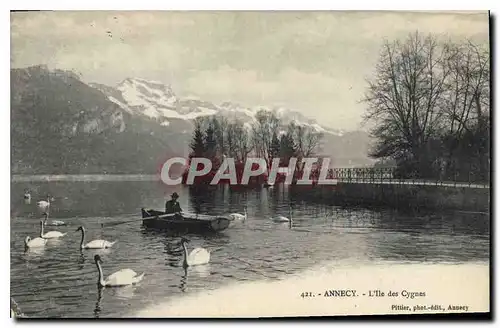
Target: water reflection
[[81, 199], [54, 242], [182, 285], [98, 308], [125, 292], [258, 249], [35, 252], [81, 260], [202, 271]]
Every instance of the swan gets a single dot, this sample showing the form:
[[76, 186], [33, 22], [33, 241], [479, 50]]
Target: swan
[[98, 243], [238, 216], [269, 184], [44, 205], [32, 243], [123, 277], [281, 218], [15, 311], [53, 222], [198, 256], [27, 197], [50, 234]]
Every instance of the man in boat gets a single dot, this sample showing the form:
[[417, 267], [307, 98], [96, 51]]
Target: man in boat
[[172, 206]]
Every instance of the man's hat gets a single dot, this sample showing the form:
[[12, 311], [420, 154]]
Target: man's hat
[[175, 195]]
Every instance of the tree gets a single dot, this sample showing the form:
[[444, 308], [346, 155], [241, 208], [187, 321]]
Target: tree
[[197, 145], [220, 125], [266, 123], [287, 149], [466, 108], [274, 147], [429, 100], [409, 80], [210, 144], [306, 139], [243, 141]]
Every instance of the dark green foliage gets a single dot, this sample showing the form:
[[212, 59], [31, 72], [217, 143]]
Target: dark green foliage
[[288, 148], [197, 143]]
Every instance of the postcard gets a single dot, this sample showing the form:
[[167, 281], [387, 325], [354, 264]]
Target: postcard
[[249, 164]]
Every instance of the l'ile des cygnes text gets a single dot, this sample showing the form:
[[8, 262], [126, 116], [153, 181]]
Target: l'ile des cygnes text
[[370, 293]]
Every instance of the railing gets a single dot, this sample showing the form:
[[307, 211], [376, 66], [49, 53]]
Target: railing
[[388, 176]]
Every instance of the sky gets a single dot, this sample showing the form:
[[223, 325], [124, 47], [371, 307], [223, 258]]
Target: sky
[[313, 62]]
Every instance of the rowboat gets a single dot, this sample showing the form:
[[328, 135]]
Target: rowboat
[[183, 222]]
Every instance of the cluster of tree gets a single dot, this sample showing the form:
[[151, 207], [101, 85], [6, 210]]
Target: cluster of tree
[[429, 101], [216, 137]]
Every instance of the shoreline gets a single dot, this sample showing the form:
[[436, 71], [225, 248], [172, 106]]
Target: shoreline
[[83, 177], [396, 195]]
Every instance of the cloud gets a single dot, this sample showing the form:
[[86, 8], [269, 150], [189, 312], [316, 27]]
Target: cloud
[[315, 62], [316, 94]]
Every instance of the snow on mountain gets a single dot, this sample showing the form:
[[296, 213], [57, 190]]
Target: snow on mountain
[[158, 101], [149, 98], [192, 108]]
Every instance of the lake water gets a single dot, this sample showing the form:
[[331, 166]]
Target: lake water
[[60, 281]]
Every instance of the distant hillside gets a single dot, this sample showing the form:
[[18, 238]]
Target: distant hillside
[[62, 125], [158, 102]]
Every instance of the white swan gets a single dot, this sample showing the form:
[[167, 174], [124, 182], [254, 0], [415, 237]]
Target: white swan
[[32, 243], [44, 205], [198, 256], [50, 234], [269, 184], [94, 244], [123, 277], [15, 311], [238, 216], [27, 197], [53, 222], [281, 218]]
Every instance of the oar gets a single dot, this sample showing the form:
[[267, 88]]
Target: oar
[[112, 224]]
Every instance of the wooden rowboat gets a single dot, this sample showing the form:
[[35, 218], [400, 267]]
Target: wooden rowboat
[[184, 222]]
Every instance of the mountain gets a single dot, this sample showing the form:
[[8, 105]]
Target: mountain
[[158, 102], [62, 125]]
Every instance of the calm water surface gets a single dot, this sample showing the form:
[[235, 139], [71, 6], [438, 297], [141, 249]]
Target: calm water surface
[[60, 280]]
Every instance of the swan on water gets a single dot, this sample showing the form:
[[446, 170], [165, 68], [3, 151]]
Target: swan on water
[[53, 222], [238, 216], [94, 244], [15, 311], [269, 184], [281, 218], [27, 197], [198, 256], [44, 205], [50, 234], [123, 277], [36, 242]]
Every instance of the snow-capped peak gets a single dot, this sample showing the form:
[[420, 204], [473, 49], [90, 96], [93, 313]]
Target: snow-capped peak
[[157, 100], [148, 94]]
